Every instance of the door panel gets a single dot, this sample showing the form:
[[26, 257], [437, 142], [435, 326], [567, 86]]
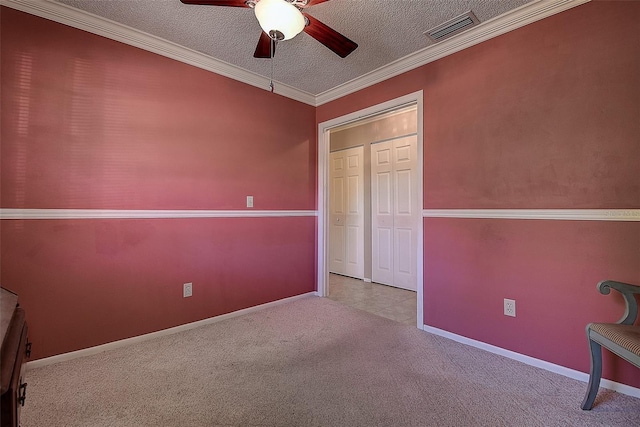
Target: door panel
[[346, 207], [382, 214], [403, 154], [354, 196], [336, 256], [383, 256], [338, 195], [396, 213], [382, 209], [336, 209], [353, 251], [403, 192], [403, 258], [383, 205]]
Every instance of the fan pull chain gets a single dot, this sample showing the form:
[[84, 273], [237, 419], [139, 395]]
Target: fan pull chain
[[272, 46]]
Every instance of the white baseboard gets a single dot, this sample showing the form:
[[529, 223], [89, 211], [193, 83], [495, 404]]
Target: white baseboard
[[558, 369], [134, 340]]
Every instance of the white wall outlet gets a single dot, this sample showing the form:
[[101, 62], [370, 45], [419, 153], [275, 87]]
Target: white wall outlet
[[249, 201], [510, 307], [187, 290]]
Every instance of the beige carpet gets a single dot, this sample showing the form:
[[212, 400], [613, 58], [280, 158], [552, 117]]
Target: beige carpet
[[311, 362]]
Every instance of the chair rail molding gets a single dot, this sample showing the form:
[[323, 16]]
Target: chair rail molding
[[549, 214], [10, 213]]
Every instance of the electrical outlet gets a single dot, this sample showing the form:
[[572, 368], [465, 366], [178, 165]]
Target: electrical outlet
[[187, 290], [249, 201], [510, 307]]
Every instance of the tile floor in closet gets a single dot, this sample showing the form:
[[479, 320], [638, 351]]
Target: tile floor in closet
[[393, 303]]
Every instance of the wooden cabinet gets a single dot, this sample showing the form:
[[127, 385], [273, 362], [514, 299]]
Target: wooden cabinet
[[15, 351]]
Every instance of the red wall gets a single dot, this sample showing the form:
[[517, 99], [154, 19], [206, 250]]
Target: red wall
[[90, 123], [544, 117]]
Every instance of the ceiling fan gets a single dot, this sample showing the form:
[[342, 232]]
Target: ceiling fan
[[284, 19]]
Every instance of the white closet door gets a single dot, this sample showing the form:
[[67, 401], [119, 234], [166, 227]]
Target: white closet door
[[406, 215], [346, 206], [395, 212], [382, 213]]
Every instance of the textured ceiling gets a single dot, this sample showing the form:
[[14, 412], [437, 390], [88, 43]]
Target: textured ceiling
[[385, 30]]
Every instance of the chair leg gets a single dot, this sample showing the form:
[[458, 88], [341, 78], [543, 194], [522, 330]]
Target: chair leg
[[596, 373]]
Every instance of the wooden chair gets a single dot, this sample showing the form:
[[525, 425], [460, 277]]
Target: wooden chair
[[621, 338]]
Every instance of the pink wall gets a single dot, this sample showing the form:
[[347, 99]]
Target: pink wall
[[88, 282], [90, 123], [543, 117]]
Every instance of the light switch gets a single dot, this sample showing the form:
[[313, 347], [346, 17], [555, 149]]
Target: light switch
[[249, 201]]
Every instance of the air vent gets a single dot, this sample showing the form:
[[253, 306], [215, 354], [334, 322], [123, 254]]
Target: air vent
[[452, 27]]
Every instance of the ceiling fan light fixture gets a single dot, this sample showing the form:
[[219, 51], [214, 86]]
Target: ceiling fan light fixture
[[279, 18]]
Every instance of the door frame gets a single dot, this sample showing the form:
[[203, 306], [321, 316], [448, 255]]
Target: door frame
[[415, 98]]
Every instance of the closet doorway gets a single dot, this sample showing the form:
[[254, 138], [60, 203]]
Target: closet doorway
[[370, 180]]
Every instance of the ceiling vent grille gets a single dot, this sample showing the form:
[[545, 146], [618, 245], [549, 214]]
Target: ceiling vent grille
[[452, 27]]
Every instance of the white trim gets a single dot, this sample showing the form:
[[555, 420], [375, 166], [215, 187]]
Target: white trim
[[322, 251], [532, 361], [115, 31], [543, 214], [553, 214], [9, 213], [153, 335], [365, 121], [420, 261], [375, 110], [323, 186], [76, 18], [502, 24]]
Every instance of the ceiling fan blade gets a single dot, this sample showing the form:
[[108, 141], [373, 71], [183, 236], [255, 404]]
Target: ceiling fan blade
[[329, 37], [263, 49], [232, 3], [314, 2]]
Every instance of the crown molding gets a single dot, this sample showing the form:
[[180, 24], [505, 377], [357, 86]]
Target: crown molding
[[632, 215], [75, 18], [94, 24], [502, 24]]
